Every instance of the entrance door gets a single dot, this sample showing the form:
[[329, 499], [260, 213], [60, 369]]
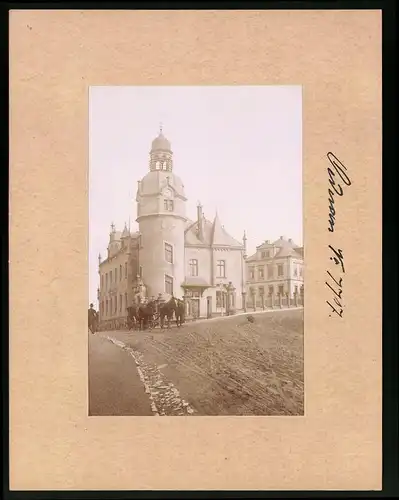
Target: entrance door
[[194, 308]]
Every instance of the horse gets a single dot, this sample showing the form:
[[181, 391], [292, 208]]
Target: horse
[[179, 312], [145, 314], [166, 310]]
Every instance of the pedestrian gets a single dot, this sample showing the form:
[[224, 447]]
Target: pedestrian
[[92, 318]]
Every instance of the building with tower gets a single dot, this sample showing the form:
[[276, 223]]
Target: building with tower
[[171, 254]]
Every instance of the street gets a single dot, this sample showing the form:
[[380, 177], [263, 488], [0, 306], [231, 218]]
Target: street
[[226, 366], [115, 387]]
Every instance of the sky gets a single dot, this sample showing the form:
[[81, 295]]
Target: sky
[[238, 150]]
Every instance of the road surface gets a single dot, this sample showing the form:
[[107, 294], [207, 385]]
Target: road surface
[[115, 387]]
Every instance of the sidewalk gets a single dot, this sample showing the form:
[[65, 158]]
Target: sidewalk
[[242, 313]]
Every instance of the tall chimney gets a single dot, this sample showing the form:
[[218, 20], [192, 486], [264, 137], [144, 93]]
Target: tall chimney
[[200, 221]]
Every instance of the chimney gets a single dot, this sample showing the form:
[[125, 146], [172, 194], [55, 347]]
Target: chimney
[[290, 240], [200, 221]]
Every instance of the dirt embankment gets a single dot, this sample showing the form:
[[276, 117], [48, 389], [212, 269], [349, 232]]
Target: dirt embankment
[[232, 366]]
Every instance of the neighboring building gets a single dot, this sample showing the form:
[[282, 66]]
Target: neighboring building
[[171, 254], [276, 268]]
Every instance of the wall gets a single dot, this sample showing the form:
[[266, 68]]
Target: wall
[[156, 231]]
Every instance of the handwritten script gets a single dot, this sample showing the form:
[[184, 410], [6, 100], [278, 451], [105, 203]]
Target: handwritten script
[[337, 179]]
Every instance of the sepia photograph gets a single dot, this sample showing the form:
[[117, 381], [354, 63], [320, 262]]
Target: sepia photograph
[[196, 256]]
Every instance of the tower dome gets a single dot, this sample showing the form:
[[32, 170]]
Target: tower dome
[[161, 156], [160, 143]]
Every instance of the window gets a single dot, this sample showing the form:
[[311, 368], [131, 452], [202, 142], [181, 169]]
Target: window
[[261, 273], [168, 205], [251, 273], [221, 267], [300, 271], [168, 284], [120, 272], [270, 271], [110, 278], [271, 290], [116, 304], [295, 270], [106, 281], [261, 290], [281, 289], [116, 274], [280, 270], [120, 303], [106, 307], [265, 255], [296, 289], [193, 263], [168, 253], [125, 300], [125, 269]]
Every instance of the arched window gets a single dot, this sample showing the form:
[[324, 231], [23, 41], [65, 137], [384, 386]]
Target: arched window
[[157, 165], [120, 303]]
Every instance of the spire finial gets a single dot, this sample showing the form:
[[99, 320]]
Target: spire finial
[[112, 227], [160, 128]]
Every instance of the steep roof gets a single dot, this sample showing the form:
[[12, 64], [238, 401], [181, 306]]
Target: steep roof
[[213, 234], [220, 237]]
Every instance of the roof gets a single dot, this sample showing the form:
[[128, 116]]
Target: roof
[[287, 252], [214, 234], [156, 180], [195, 282], [285, 248], [160, 143]]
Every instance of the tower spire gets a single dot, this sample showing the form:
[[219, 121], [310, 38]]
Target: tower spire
[[160, 127]]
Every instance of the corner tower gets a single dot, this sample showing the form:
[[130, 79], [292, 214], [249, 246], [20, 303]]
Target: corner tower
[[161, 215]]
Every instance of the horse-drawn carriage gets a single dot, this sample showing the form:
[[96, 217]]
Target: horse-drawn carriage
[[153, 314]]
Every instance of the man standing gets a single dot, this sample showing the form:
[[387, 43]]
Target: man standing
[[92, 319]]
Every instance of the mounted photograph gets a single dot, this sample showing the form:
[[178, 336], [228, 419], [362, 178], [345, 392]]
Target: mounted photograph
[[196, 256]]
